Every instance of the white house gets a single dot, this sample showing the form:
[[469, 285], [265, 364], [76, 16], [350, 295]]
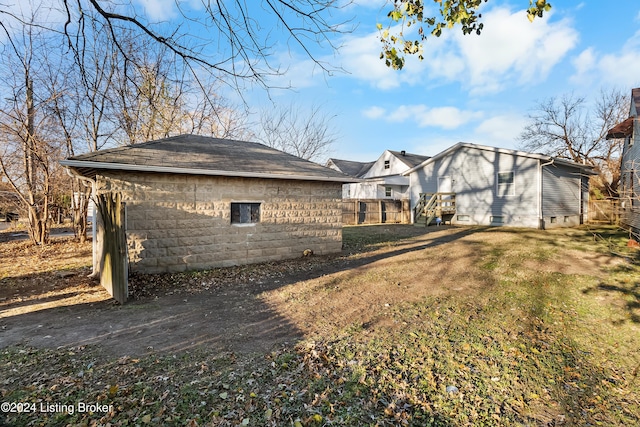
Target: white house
[[381, 179], [495, 186]]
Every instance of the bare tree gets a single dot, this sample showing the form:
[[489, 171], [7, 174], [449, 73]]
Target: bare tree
[[110, 83], [227, 39], [566, 127], [208, 113], [28, 151], [289, 129]]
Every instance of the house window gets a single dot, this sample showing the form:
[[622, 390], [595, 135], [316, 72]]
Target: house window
[[387, 191], [506, 185], [463, 217], [245, 213], [387, 164], [497, 220]]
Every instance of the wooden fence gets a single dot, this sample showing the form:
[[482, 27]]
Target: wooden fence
[[603, 212], [372, 211]]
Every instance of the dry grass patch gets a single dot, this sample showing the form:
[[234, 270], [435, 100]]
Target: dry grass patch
[[436, 327]]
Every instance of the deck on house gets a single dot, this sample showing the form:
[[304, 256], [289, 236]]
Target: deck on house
[[434, 205]]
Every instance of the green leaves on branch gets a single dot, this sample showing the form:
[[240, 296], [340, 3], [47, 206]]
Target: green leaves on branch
[[537, 9], [452, 13]]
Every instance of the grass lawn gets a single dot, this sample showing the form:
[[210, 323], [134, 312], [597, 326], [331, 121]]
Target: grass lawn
[[459, 327]]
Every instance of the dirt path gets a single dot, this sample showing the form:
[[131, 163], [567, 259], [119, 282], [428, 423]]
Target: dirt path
[[256, 309], [229, 320]]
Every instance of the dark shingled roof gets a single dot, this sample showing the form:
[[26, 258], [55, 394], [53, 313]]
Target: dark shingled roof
[[409, 159], [350, 167], [201, 155]]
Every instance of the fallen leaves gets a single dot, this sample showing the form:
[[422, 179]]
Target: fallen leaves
[[525, 351]]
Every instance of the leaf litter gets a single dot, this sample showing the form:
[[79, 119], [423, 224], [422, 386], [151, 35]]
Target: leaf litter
[[531, 348]]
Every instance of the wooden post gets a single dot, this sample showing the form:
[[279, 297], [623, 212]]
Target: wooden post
[[113, 262]]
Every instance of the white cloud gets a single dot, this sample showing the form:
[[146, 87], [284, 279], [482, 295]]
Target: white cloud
[[619, 67], [509, 50], [423, 116], [158, 10], [361, 58], [584, 62], [500, 130], [374, 113], [46, 15]]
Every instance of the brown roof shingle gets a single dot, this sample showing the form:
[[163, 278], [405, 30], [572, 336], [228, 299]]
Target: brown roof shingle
[[621, 130]]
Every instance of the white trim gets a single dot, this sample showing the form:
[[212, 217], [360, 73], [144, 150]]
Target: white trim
[[455, 147]]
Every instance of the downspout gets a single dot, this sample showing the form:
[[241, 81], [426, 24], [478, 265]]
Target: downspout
[[540, 213], [94, 259]]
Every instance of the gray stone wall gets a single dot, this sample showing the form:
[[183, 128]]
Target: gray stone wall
[[183, 222]]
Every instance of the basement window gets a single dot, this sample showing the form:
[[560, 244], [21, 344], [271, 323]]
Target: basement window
[[245, 213], [554, 219], [497, 220], [463, 218]]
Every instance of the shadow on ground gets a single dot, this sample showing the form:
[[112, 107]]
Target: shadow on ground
[[228, 317]]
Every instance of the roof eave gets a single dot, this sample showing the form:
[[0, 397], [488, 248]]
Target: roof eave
[[194, 171], [497, 150]]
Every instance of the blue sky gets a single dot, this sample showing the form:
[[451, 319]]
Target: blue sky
[[476, 89], [468, 88]]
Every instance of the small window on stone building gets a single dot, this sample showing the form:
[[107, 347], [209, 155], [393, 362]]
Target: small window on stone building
[[387, 164], [387, 191], [554, 219], [245, 213]]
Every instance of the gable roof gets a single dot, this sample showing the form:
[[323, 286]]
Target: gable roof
[[359, 169], [351, 167], [202, 155], [585, 168], [409, 159]]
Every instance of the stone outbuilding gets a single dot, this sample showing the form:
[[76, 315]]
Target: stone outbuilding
[[195, 202]]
